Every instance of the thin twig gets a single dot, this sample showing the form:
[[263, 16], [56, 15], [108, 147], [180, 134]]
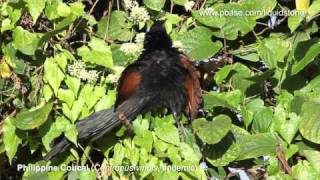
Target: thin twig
[[93, 6], [88, 157], [108, 21]]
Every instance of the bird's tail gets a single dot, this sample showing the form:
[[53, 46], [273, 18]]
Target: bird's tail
[[101, 123]]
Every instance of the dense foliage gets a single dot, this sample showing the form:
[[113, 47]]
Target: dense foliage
[[60, 61]]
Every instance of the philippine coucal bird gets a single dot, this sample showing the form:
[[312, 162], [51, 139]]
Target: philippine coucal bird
[[161, 77]]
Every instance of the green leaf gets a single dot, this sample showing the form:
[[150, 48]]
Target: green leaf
[[310, 124], [250, 109], [77, 8], [51, 131], [51, 10], [305, 53], [230, 100], [91, 94], [106, 101], [6, 24], [168, 133], [119, 57], [63, 10], [189, 153], [55, 129], [220, 125], [239, 79], [234, 25], [262, 120], [156, 5], [144, 140], [313, 85], [10, 139], [197, 43], [47, 92], [98, 92], [76, 109], [303, 170], [222, 74], [257, 6], [140, 125], [25, 41], [73, 84], [313, 156], [223, 153], [294, 22], [53, 74], [273, 50], [211, 21], [71, 133], [98, 53], [249, 56], [34, 117], [180, 2], [118, 28], [313, 10], [66, 96], [35, 8], [173, 18], [256, 145], [286, 124], [61, 60]]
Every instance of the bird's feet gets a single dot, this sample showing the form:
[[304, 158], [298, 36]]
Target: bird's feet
[[123, 118]]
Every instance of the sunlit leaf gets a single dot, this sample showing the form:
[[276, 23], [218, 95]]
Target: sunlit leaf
[[10, 139], [34, 117], [220, 125], [198, 45]]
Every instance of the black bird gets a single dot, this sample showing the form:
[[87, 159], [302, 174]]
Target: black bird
[[161, 77]]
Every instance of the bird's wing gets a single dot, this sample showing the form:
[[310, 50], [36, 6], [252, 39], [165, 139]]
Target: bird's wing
[[193, 87], [129, 82]]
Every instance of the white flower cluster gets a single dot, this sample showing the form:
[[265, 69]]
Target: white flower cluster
[[189, 5], [77, 69], [134, 48], [137, 14], [129, 4], [130, 48], [140, 38]]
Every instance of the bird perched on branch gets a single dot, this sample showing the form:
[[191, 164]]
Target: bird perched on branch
[[161, 77]]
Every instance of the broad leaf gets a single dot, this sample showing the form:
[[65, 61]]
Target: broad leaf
[[25, 41], [34, 117], [230, 100], [10, 139], [155, 4], [223, 153], [118, 28], [235, 23], [253, 146], [197, 43], [310, 124], [303, 170], [305, 53], [273, 50], [262, 120], [98, 53], [168, 133], [212, 132], [35, 8], [53, 74]]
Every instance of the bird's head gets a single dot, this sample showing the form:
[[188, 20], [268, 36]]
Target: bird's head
[[157, 37]]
